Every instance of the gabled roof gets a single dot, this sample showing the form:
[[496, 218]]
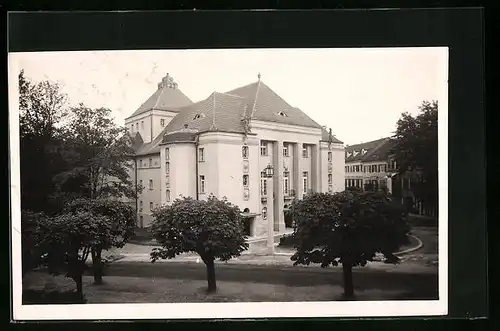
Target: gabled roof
[[376, 150], [265, 105], [166, 97]]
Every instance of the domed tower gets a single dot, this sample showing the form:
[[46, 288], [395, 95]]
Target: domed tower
[[158, 110]]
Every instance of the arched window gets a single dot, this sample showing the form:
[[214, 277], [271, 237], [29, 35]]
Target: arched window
[[264, 213], [244, 152], [246, 210]]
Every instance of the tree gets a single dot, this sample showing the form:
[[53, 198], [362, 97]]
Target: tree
[[99, 154], [42, 108], [212, 228], [347, 228], [67, 240], [121, 219], [30, 240], [416, 152]]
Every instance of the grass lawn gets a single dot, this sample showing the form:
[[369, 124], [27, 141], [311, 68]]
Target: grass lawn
[[117, 289]]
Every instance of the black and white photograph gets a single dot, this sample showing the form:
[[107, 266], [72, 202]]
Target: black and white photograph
[[229, 183]]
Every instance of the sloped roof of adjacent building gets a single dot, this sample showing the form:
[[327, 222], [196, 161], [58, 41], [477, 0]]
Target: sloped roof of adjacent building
[[376, 150], [166, 97]]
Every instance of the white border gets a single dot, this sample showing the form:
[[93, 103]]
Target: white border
[[230, 310]]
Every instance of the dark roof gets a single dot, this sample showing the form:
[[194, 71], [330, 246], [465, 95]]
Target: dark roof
[[325, 136], [265, 105], [180, 136], [218, 112], [137, 141], [376, 150], [166, 97]]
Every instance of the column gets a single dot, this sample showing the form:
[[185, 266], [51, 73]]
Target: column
[[270, 215], [279, 202], [315, 169], [298, 160]]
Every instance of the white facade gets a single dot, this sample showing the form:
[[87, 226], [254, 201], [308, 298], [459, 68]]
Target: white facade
[[230, 164]]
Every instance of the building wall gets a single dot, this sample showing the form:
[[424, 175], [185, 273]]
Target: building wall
[[149, 123], [145, 173], [337, 167], [181, 178], [365, 175]]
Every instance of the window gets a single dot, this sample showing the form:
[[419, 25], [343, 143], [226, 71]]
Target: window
[[263, 187], [197, 116], [383, 183], [329, 156], [137, 126], [151, 206], [305, 181], [202, 184], [132, 127], [142, 124], [201, 155], [150, 162], [330, 179], [286, 150], [244, 152], [285, 184], [141, 218], [167, 195], [140, 183], [385, 168], [245, 180], [346, 183], [167, 154], [162, 122], [140, 163], [264, 213], [140, 206], [167, 167], [346, 169], [281, 113], [263, 148], [150, 184], [304, 151]]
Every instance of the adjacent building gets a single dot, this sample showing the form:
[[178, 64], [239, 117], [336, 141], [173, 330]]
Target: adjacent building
[[225, 145]]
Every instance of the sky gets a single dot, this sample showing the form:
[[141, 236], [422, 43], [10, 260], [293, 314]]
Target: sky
[[358, 92]]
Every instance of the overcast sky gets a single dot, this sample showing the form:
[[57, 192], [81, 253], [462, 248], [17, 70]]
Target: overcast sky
[[359, 93]]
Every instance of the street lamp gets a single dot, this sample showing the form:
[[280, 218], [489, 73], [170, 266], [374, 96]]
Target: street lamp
[[269, 171]]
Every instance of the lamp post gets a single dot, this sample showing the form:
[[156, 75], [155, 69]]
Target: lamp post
[[269, 171]]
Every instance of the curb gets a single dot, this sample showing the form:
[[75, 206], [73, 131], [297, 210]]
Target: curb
[[409, 250]]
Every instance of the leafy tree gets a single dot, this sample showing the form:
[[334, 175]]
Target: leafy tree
[[416, 152], [30, 240], [67, 240], [42, 108], [100, 155], [122, 221], [212, 228], [347, 228]]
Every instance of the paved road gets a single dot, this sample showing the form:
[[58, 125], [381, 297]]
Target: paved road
[[421, 285]]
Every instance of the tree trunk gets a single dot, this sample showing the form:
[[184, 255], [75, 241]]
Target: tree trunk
[[348, 284], [79, 285], [212, 286], [97, 266]]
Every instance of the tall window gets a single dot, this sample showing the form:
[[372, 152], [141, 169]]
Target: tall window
[[286, 150], [150, 184], [385, 168], [162, 122], [150, 162], [346, 168], [202, 184], [140, 163], [167, 167], [141, 218], [304, 151], [132, 126], [167, 154], [201, 154], [264, 213], [136, 126], [305, 181], [329, 156], [167, 195], [330, 179], [142, 124], [245, 180], [244, 152], [151, 206], [263, 148], [140, 206], [263, 184], [140, 182]]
